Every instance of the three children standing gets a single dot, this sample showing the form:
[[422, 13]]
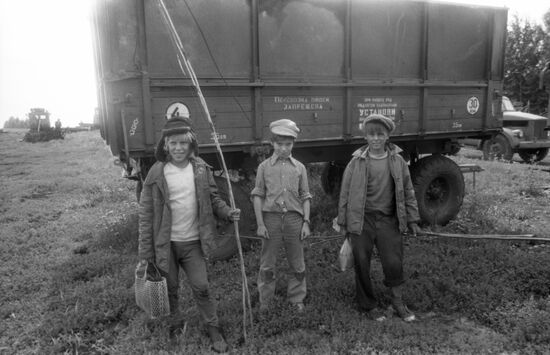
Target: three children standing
[[179, 199]]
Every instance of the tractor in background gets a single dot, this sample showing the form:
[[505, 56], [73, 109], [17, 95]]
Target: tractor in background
[[40, 129]]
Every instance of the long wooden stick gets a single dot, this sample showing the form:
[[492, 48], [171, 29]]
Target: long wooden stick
[[187, 68], [310, 238], [524, 237], [519, 237]]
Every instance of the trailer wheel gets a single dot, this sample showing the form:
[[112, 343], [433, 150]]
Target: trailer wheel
[[226, 243], [497, 148], [533, 155], [439, 187]]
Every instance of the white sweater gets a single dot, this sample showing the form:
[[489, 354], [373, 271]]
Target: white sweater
[[183, 203]]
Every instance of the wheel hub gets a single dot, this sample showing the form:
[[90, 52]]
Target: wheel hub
[[497, 150], [437, 192]]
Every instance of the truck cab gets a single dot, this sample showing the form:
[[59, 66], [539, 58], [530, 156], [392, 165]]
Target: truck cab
[[523, 133]]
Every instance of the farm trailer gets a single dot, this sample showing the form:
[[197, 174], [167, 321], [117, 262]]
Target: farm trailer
[[435, 68]]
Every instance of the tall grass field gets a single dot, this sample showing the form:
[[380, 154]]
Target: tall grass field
[[68, 250]]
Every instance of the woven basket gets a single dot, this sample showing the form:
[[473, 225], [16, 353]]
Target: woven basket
[[151, 291]]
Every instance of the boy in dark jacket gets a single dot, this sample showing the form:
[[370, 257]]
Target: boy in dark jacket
[[377, 203], [176, 220], [281, 205]]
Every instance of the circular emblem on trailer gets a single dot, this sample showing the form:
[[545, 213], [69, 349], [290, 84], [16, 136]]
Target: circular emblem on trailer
[[177, 109], [472, 106]]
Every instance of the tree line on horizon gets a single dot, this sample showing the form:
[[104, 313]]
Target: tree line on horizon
[[16, 122]]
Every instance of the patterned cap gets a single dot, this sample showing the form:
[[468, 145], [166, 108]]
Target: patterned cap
[[284, 127], [385, 121]]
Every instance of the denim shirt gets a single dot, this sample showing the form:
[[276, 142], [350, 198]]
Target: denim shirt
[[282, 184]]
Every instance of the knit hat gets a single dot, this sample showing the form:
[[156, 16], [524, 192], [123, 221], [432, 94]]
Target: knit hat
[[175, 125], [284, 127], [385, 121]]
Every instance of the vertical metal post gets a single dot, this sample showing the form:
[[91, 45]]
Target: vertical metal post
[[489, 70], [254, 22], [257, 124], [348, 92], [424, 71], [148, 123], [125, 134]]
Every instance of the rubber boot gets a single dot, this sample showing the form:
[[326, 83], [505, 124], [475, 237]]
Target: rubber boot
[[218, 342], [397, 302]]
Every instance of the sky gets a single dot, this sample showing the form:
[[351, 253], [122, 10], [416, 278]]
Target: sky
[[46, 60], [46, 55]]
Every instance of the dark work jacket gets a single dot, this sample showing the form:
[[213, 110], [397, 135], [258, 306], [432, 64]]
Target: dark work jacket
[[353, 194], [155, 215]]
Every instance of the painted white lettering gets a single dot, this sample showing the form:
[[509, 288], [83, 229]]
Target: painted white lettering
[[134, 126], [320, 99], [219, 135]]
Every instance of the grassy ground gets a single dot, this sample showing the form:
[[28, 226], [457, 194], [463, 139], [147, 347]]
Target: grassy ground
[[68, 227]]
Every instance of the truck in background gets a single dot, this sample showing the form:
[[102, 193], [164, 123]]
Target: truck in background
[[435, 68], [523, 133]]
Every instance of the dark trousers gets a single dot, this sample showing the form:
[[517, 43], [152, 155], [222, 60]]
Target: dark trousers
[[383, 231], [189, 256]]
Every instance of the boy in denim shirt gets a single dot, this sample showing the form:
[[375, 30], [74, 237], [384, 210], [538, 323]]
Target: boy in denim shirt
[[282, 205], [377, 204]]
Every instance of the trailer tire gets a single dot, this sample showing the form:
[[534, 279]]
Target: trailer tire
[[533, 155], [225, 240], [497, 148], [439, 188]]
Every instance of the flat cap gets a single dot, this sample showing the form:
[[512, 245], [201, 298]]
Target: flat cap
[[284, 127], [385, 121]]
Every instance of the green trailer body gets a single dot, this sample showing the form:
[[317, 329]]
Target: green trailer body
[[435, 68]]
